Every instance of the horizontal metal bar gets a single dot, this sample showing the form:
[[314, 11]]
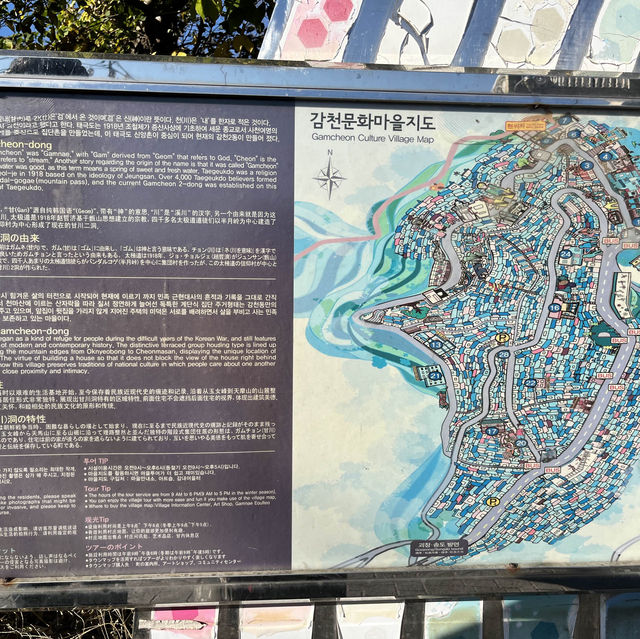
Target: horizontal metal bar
[[34, 70], [451, 584]]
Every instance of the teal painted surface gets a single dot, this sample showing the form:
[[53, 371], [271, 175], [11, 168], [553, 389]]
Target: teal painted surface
[[540, 617], [622, 617], [463, 620]]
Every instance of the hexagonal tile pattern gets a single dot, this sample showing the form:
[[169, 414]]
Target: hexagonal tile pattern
[[338, 10], [312, 33]]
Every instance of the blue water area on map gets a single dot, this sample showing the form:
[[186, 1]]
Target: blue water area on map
[[336, 280], [399, 514], [624, 257], [315, 223], [330, 267], [632, 139], [415, 354]]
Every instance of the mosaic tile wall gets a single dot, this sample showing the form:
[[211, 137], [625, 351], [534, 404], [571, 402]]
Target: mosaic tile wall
[[595, 35]]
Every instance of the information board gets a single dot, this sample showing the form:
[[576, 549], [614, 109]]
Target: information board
[[146, 321], [245, 335]]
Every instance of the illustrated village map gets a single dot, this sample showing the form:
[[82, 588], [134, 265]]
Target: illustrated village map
[[467, 361]]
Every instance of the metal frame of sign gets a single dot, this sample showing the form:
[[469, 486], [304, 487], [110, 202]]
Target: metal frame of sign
[[371, 83], [51, 73]]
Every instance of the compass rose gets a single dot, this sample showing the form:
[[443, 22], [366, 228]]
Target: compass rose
[[329, 178]]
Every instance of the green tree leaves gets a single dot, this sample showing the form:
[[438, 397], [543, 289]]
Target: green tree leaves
[[218, 28], [208, 9]]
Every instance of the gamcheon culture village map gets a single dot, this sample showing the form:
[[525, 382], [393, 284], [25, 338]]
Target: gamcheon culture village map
[[467, 361]]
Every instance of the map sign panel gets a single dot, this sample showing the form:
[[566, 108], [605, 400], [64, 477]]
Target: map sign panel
[[466, 326], [428, 359]]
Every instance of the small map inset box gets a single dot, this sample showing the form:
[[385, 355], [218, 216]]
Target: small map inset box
[[439, 548], [525, 125]]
